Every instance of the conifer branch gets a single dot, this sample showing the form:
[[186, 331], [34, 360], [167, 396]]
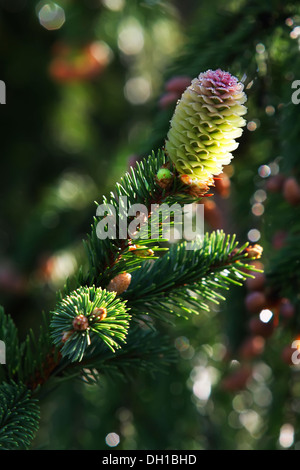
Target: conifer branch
[[184, 280], [19, 417], [95, 327]]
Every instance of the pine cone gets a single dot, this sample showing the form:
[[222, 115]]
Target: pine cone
[[205, 124]]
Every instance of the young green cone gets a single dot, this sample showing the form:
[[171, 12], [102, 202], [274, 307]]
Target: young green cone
[[204, 126]]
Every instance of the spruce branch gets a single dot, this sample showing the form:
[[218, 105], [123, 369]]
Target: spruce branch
[[88, 315], [110, 256], [9, 334], [90, 332], [19, 417], [214, 99], [145, 350], [184, 280], [38, 356]]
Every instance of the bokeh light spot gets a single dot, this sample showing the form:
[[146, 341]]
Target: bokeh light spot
[[182, 343], [253, 235], [286, 436], [258, 209], [270, 110], [274, 167], [114, 5], [260, 48], [264, 171], [131, 37], [112, 439], [251, 126], [265, 315], [137, 90], [202, 384], [260, 195], [295, 33], [51, 16]]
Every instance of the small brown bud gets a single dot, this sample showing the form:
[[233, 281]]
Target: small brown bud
[[195, 187], [141, 253], [99, 313], [120, 283], [80, 323], [67, 335], [254, 251]]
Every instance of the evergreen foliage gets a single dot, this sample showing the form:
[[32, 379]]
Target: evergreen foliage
[[74, 341], [185, 280], [196, 299], [84, 302], [19, 417]]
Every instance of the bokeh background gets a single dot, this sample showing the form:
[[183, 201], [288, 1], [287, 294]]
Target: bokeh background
[[90, 89]]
